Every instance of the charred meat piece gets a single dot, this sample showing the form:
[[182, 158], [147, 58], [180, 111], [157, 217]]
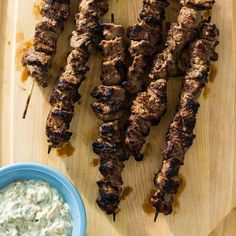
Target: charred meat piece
[[110, 132], [153, 12], [112, 72], [140, 46], [109, 93], [109, 150], [37, 63], [57, 10], [65, 93], [109, 110], [180, 135], [97, 8], [113, 49], [78, 40], [32, 57], [138, 32], [85, 22], [109, 194], [37, 73], [198, 4], [45, 41], [47, 24]]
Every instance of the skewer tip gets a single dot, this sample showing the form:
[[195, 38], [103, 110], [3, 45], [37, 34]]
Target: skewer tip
[[156, 215], [49, 149], [114, 217], [26, 106], [28, 101], [112, 18], [24, 114]]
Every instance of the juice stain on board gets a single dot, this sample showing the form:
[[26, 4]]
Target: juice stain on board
[[148, 149], [24, 75], [212, 74], [176, 204], [126, 192], [65, 151], [37, 9], [20, 37], [206, 92], [147, 205], [94, 162]]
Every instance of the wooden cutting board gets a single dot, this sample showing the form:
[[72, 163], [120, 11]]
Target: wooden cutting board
[[208, 197]]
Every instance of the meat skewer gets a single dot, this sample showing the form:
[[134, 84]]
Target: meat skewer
[[144, 37], [38, 59], [180, 135], [65, 93], [111, 97], [150, 105], [110, 108]]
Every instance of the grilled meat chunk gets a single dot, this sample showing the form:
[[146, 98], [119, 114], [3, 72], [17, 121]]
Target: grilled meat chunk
[[198, 4], [113, 49], [110, 132], [32, 57], [112, 72], [57, 10], [106, 93], [109, 110], [112, 31]]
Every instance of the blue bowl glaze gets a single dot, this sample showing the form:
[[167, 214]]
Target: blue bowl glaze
[[26, 171]]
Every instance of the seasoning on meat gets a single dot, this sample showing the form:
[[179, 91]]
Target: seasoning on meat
[[109, 108], [65, 93], [180, 135], [38, 59]]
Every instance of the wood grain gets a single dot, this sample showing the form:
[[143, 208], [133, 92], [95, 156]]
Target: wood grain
[[227, 226], [210, 167]]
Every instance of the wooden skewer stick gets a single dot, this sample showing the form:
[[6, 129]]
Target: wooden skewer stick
[[49, 149], [28, 100], [112, 18], [112, 21], [155, 217], [114, 217]]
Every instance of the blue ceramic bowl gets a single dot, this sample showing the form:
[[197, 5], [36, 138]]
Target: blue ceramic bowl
[[26, 171]]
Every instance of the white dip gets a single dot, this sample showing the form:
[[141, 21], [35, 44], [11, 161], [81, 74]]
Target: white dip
[[33, 208]]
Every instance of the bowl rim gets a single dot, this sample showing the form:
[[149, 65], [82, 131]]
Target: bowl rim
[[60, 178]]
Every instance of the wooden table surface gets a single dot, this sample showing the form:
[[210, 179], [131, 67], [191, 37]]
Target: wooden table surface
[[206, 205]]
